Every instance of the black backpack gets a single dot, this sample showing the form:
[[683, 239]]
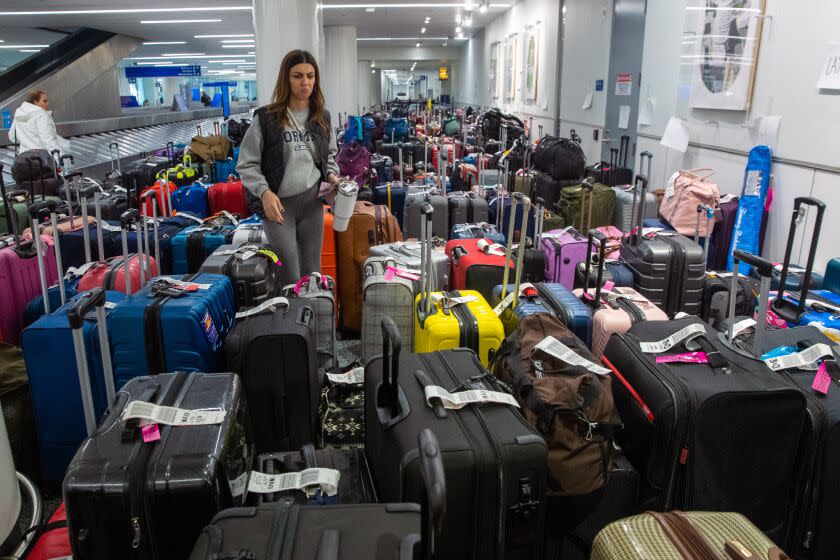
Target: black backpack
[[561, 158], [237, 130], [492, 121], [32, 165]]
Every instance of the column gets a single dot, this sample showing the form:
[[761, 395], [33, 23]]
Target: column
[[339, 71], [280, 27], [368, 84]]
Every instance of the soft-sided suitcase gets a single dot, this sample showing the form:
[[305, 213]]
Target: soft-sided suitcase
[[453, 319], [319, 291], [272, 348], [699, 430], [370, 225], [341, 409], [477, 231], [192, 199], [172, 324], [193, 244], [722, 232], [252, 269], [694, 534], [228, 195], [409, 255], [477, 264], [131, 494], [295, 532], [587, 205], [564, 250], [495, 463], [388, 290], [716, 297]]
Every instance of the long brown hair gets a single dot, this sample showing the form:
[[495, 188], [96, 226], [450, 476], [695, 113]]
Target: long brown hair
[[282, 91]]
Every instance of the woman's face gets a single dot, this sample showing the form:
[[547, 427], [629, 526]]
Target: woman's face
[[302, 80], [43, 102]]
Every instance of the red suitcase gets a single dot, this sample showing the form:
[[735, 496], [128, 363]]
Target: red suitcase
[[477, 264], [163, 196], [229, 196]]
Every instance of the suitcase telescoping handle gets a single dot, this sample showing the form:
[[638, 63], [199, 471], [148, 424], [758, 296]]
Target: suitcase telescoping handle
[[76, 316], [69, 180], [765, 271], [36, 210], [433, 508], [126, 219], [84, 192], [509, 246], [400, 159], [114, 149], [391, 402], [539, 222], [709, 212], [425, 305], [602, 256], [787, 310], [640, 191], [586, 188]]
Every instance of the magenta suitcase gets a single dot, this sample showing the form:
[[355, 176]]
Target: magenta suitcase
[[20, 283], [564, 249]]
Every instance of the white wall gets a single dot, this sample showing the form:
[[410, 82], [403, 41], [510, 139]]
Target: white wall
[[789, 63], [472, 83], [368, 85]]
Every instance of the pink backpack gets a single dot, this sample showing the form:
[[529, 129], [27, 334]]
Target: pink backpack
[[353, 161], [690, 189]]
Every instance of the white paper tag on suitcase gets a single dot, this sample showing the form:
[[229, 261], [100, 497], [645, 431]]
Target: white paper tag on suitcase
[[681, 315], [807, 356], [182, 284], [618, 292], [669, 188], [142, 410], [816, 304], [230, 217], [307, 480], [505, 303], [238, 484], [686, 333], [355, 375], [454, 401], [742, 326], [190, 216], [109, 227], [461, 300], [268, 304], [551, 345]]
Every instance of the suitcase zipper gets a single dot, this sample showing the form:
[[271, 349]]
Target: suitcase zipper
[[469, 325], [636, 315], [554, 305], [138, 505]]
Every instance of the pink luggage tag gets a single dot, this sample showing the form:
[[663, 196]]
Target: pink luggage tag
[[686, 358], [609, 285], [822, 380], [391, 271], [150, 432]]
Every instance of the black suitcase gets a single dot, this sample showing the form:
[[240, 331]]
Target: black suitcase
[[272, 348], [127, 498], [495, 462], [668, 268], [716, 297], [467, 208], [703, 434], [255, 275], [291, 531]]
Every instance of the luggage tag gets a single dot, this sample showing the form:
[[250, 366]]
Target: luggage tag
[[268, 305], [308, 481], [150, 432], [505, 303], [190, 216], [554, 347], [743, 326], [354, 376], [231, 217], [408, 274], [799, 359], [684, 334], [685, 358], [460, 399], [670, 186], [150, 413]]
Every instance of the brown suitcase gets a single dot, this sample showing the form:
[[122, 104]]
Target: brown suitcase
[[370, 225]]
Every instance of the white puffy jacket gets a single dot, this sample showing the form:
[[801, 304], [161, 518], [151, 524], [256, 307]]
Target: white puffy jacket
[[34, 129]]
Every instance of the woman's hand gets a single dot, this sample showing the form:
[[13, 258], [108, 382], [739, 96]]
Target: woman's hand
[[273, 207], [332, 179]]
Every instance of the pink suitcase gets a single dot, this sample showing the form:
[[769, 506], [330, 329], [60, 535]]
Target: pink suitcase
[[20, 282], [564, 249], [614, 236], [617, 309]]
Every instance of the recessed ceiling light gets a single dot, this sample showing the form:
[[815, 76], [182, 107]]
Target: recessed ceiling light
[[222, 36], [418, 44], [183, 54], [373, 71], [30, 50], [370, 10], [249, 46], [23, 46], [238, 41], [458, 29], [161, 63], [422, 30], [227, 60], [190, 56], [412, 5], [128, 11], [400, 38], [165, 43], [155, 21]]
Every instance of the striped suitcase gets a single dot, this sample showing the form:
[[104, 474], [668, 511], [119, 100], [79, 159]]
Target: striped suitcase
[[388, 290], [626, 201]]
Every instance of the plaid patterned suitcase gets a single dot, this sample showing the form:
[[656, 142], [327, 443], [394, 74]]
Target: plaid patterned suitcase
[[388, 293]]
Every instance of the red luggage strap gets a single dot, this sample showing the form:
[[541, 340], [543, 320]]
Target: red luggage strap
[[630, 389]]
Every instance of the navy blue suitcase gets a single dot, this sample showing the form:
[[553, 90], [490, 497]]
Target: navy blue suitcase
[[163, 328], [168, 228], [614, 271], [192, 245], [505, 221], [477, 231], [548, 298], [391, 195], [54, 384]]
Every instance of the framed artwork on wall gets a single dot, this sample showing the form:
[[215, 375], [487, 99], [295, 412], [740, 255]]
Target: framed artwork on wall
[[725, 54], [510, 68], [494, 71], [532, 44]]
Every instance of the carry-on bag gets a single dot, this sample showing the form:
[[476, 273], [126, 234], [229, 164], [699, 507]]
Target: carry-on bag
[[272, 348], [495, 462], [162, 190], [477, 264], [409, 254], [452, 319], [392, 195], [625, 202], [467, 208], [228, 195], [712, 535], [370, 225], [146, 491], [252, 269], [561, 158], [477, 231], [690, 188], [249, 233], [388, 290], [587, 205], [295, 531], [319, 290], [172, 324], [193, 244], [192, 199], [564, 250], [412, 216]]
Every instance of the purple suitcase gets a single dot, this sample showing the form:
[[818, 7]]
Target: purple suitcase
[[564, 249], [722, 234]]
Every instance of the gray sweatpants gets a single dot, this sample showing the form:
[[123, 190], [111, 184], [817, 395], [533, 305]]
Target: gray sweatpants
[[297, 241]]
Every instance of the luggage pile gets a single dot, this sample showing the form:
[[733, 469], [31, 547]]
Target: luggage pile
[[537, 377]]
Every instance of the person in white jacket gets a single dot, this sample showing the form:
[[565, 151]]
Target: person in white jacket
[[33, 127]]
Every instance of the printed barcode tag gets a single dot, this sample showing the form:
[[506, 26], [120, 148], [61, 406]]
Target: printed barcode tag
[[355, 375], [108, 227], [270, 304], [807, 356], [454, 401], [742, 326], [686, 333], [551, 345], [504, 304], [190, 286], [170, 415], [822, 381], [461, 300], [238, 484], [308, 480], [231, 217], [669, 188], [190, 216], [245, 255]]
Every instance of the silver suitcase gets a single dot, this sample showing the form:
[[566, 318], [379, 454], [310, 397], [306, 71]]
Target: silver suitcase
[[623, 216], [249, 233], [393, 298], [320, 290], [411, 213], [408, 253]]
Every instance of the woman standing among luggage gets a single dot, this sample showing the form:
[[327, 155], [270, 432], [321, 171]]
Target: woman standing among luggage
[[33, 127], [288, 151]]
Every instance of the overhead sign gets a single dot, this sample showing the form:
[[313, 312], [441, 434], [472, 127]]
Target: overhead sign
[[162, 71], [443, 73]]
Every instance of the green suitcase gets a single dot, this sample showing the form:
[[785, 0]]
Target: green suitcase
[[585, 209]]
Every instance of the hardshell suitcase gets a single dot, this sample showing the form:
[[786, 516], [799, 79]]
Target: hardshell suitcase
[[388, 290], [467, 208], [495, 463], [172, 324], [249, 234], [626, 199], [126, 498], [193, 244], [477, 231], [252, 269], [272, 348], [370, 225], [547, 298], [319, 291], [391, 195], [477, 264], [688, 426], [413, 218], [329, 257], [228, 195], [192, 199], [408, 254], [564, 249]]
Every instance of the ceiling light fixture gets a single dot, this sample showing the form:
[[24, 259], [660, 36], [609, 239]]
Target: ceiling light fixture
[[370, 10], [458, 29], [191, 56], [127, 11], [468, 4], [422, 30], [400, 38], [249, 46], [412, 5], [23, 46], [183, 54], [417, 44], [225, 61], [30, 50], [161, 63], [373, 71], [165, 43], [372, 63], [222, 36], [445, 44], [483, 7], [468, 22], [156, 21], [237, 41]]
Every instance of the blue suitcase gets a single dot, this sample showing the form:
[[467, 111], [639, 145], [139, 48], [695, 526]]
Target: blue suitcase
[[391, 195], [548, 298], [54, 384], [223, 169], [823, 309], [192, 199], [614, 271], [477, 231], [193, 244], [505, 222], [158, 330]]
